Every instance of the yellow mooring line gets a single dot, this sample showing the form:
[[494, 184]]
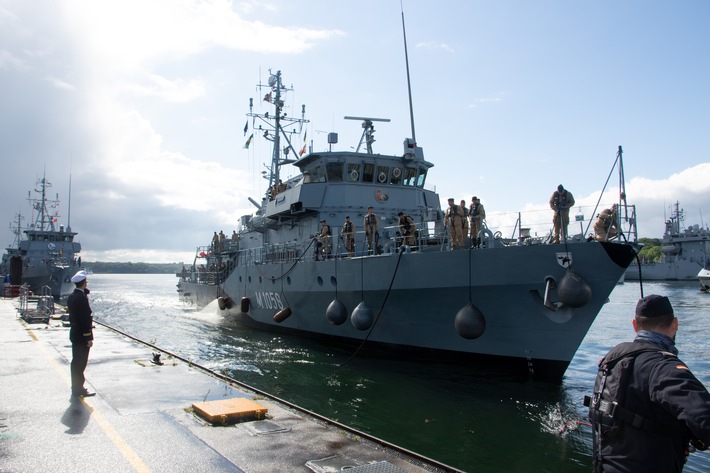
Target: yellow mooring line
[[125, 449]]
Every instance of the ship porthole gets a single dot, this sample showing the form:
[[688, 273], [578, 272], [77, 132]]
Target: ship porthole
[[260, 280], [288, 280], [333, 281], [320, 281], [249, 279]]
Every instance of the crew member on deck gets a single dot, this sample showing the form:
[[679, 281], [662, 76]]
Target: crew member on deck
[[478, 215], [561, 201], [465, 219], [406, 229], [454, 221], [372, 230], [325, 237], [348, 234], [606, 227]]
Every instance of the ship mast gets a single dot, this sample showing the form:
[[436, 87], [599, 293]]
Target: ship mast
[[45, 220], [276, 125], [16, 227]]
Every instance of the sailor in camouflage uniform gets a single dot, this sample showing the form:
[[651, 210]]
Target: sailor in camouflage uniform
[[561, 201], [477, 214], [348, 234], [371, 230], [454, 221]]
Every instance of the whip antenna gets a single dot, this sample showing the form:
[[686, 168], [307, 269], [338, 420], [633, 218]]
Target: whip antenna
[[409, 84]]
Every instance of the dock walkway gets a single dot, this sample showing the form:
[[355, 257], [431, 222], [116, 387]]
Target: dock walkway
[[142, 418]]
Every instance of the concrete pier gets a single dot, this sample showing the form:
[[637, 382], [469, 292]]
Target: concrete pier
[[142, 418]]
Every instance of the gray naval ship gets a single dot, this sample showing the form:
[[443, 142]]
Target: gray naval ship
[[47, 256], [519, 303], [685, 251]]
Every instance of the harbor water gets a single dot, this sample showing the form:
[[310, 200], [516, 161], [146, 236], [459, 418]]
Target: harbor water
[[471, 418]]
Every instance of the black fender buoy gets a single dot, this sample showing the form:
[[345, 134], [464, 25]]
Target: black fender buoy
[[362, 317], [336, 313], [282, 315], [224, 303], [470, 322], [245, 305], [572, 290]]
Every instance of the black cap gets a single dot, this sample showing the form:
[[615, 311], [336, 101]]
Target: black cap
[[370, 207], [560, 188], [347, 217], [400, 214], [474, 198], [654, 306]]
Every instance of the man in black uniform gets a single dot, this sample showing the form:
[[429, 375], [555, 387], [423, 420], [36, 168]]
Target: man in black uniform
[[647, 406], [80, 334]]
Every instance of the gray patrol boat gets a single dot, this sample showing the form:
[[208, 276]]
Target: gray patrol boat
[[47, 256], [521, 302]]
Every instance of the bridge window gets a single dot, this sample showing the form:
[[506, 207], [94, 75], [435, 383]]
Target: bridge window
[[335, 172], [410, 177], [318, 175], [353, 174], [422, 177], [396, 176], [382, 173], [368, 173]]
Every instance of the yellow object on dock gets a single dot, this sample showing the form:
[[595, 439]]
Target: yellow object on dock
[[230, 411]]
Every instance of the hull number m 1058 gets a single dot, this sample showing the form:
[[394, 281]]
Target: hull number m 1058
[[268, 300]]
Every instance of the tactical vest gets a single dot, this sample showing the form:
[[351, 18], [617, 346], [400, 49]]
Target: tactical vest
[[474, 210], [606, 408], [560, 199], [348, 227], [370, 219]]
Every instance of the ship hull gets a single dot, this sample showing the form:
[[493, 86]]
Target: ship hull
[[198, 294], [415, 298], [680, 271], [54, 281]]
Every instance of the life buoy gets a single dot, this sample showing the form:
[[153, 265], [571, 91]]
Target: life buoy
[[382, 177], [354, 175], [396, 172]]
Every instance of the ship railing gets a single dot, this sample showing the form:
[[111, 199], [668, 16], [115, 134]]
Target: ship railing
[[10, 291], [534, 226]]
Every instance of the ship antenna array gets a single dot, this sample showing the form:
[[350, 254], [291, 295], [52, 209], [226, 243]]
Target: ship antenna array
[[277, 123], [368, 131]]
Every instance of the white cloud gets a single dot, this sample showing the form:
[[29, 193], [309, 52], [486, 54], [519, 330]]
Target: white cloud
[[435, 46]]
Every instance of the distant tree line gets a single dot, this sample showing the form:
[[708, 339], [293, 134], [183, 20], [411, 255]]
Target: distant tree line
[[133, 268], [651, 251]]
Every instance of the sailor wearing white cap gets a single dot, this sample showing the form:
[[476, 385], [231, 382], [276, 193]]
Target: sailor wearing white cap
[[79, 276], [80, 334]]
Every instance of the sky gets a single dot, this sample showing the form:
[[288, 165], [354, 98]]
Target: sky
[[141, 105]]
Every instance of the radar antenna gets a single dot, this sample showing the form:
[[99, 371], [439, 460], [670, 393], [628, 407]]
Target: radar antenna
[[368, 131]]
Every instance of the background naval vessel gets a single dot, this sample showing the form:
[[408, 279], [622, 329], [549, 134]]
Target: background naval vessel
[[43, 256]]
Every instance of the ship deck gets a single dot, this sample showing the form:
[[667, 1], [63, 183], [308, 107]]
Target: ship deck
[[142, 417]]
